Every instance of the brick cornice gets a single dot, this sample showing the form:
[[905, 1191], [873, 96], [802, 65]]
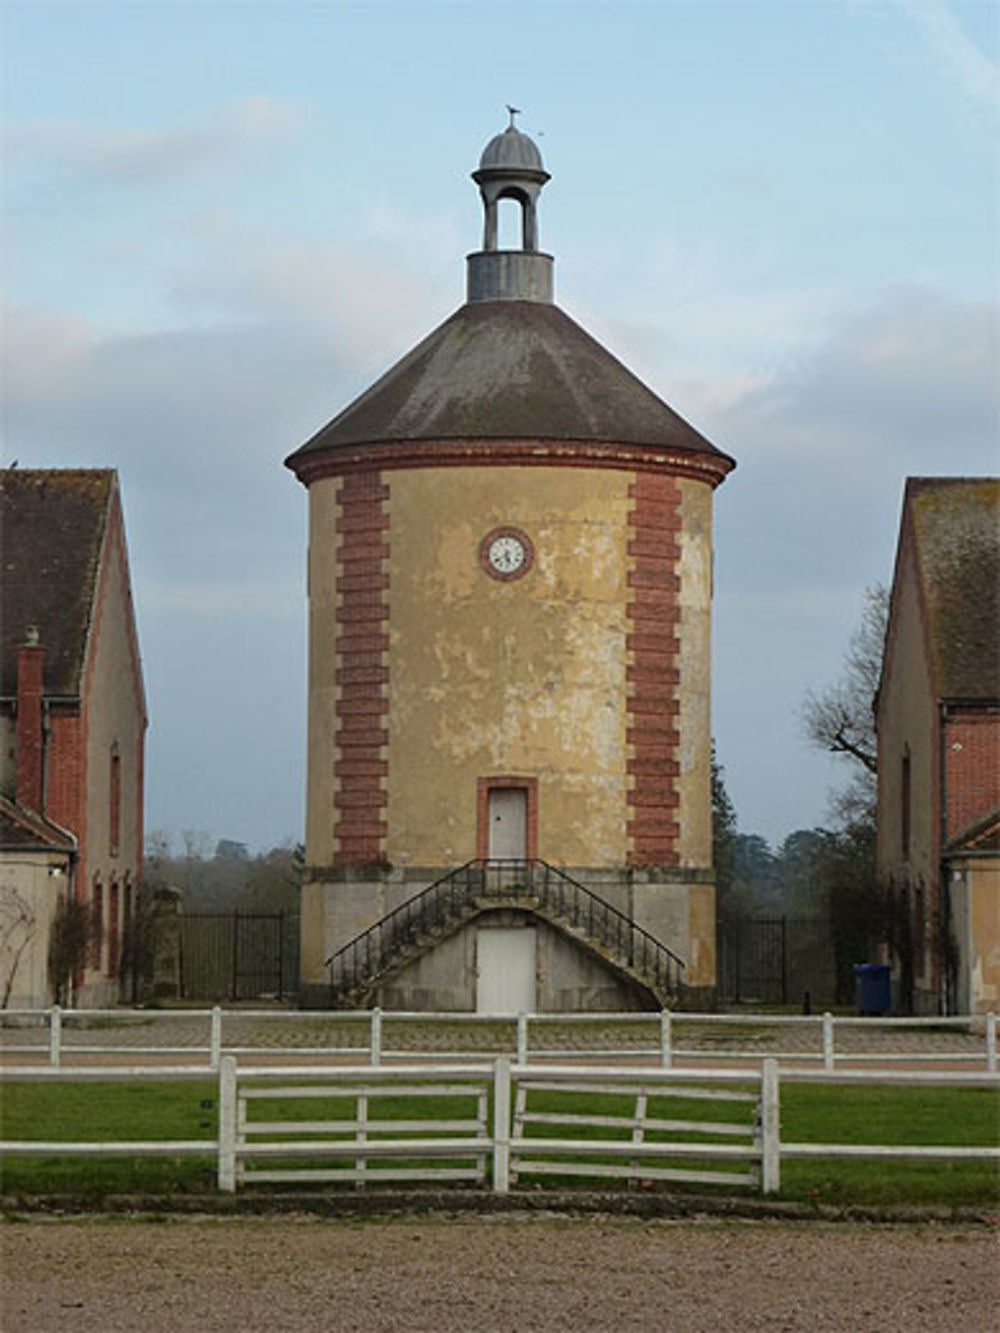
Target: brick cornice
[[389, 455]]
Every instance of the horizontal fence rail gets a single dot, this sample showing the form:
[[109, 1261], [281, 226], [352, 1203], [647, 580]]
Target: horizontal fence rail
[[492, 1124], [373, 1035]]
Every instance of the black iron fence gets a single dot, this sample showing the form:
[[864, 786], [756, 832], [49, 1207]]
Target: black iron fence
[[239, 955], [776, 961]]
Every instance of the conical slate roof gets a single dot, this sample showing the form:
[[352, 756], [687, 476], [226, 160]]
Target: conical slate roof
[[512, 370]]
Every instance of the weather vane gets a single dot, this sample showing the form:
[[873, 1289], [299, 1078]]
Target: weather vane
[[514, 111]]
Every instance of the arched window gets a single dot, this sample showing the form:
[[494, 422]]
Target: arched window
[[111, 963], [96, 923]]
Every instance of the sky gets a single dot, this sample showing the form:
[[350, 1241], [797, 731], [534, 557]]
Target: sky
[[224, 219]]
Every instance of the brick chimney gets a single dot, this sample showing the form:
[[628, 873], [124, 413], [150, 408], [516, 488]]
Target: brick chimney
[[30, 740]]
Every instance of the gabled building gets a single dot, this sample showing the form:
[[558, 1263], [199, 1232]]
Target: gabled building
[[938, 721], [510, 584], [72, 711]]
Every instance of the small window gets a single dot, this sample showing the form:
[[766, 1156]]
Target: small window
[[115, 801]]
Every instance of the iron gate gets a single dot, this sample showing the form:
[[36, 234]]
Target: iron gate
[[776, 961], [239, 955]]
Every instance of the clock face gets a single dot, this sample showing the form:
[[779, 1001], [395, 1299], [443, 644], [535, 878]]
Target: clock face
[[505, 553]]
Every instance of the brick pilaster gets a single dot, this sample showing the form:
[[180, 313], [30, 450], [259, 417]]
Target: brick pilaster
[[652, 673], [362, 735]]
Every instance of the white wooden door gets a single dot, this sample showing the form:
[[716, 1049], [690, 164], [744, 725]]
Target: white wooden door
[[508, 816], [505, 970]]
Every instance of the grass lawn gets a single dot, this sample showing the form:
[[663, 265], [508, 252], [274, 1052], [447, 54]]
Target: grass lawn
[[809, 1113]]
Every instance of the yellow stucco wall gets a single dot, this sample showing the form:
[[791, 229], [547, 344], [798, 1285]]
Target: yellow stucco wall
[[694, 786], [525, 677], [983, 875], [30, 886], [322, 726]]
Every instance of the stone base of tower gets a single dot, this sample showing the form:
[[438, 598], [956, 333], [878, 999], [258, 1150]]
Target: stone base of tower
[[675, 905]]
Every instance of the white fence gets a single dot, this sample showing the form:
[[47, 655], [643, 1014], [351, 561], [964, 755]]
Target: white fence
[[636, 1142], [667, 1039]]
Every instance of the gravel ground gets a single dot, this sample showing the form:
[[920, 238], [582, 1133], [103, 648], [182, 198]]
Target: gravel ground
[[492, 1274]]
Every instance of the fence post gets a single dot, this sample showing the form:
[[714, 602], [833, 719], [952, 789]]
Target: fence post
[[375, 1038], [770, 1125], [828, 1052], [215, 1038], [55, 1036], [522, 1039], [227, 1124], [666, 1039], [501, 1125], [991, 1043]]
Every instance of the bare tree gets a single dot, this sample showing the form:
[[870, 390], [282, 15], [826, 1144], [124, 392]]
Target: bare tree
[[73, 931], [18, 927], [841, 718]]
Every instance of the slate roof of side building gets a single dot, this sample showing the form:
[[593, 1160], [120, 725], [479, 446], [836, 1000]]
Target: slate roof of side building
[[52, 525], [24, 830], [956, 531]]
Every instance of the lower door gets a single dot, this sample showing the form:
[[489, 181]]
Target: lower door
[[505, 970]]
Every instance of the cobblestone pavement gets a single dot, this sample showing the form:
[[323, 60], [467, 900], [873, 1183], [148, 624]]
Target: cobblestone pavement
[[186, 1034]]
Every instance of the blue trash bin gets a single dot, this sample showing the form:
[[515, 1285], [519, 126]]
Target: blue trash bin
[[874, 990]]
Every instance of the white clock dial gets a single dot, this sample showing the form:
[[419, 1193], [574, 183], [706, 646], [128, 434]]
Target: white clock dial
[[506, 554]]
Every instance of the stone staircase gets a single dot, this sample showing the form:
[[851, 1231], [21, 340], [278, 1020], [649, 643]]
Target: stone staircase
[[483, 885]]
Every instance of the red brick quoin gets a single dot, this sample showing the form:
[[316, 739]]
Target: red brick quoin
[[653, 675], [362, 677]]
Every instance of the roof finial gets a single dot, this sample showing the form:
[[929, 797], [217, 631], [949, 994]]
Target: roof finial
[[514, 111]]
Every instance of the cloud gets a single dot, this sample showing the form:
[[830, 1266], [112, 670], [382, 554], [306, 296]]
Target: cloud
[[362, 300], [974, 72], [908, 379], [127, 157], [903, 385]]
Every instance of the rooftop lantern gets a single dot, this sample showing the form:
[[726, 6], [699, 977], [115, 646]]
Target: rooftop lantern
[[510, 168]]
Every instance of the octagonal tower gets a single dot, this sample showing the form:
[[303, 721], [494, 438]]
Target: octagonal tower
[[510, 590]]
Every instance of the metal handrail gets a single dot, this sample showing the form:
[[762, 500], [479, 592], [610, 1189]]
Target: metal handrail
[[374, 950]]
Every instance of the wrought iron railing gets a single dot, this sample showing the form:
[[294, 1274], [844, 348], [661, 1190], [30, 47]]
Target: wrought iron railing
[[463, 892]]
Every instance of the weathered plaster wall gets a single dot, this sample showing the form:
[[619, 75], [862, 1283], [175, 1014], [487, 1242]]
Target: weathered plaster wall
[[566, 977], [30, 885], [113, 723], [974, 892], [524, 677], [695, 724], [907, 723], [534, 677], [321, 784], [983, 876]]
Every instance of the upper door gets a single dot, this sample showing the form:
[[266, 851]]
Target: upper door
[[508, 818]]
